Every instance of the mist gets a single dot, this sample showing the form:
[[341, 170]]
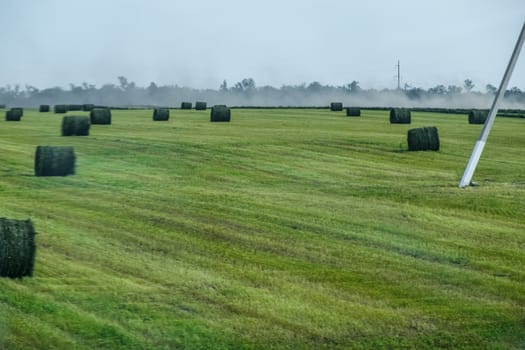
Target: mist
[[246, 93]]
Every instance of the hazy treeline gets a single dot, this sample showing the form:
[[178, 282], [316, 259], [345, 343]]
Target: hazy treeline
[[247, 93]]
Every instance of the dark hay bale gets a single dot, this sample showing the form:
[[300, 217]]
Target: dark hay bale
[[14, 115], [185, 105], [54, 161], [44, 108], [220, 113], [423, 139], [88, 107], [17, 248], [353, 112], [75, 125], [477, 117], [2, 106], [74, 107], [400, 116], [60, 108], [161, 114], [200, 106], [100, 116], [336, 106]]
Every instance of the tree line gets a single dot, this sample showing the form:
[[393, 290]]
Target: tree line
[[247, 93]]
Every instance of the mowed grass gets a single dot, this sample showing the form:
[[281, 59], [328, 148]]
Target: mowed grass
[[282, 229]]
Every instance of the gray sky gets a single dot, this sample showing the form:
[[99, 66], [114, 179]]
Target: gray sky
[[199, 43]]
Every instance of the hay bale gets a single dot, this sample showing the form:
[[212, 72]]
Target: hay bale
[[44, 108], [13, 115], [87, 107], [74, 107], [75, 125], [423, 139], [220, 113], [17, 248], [400, 116], [161, 114], [2, 106], [185, 105], [336, 106], [60, 109], [54, 161], [353, 112], [100, 116], [477, 116], [200, 106]]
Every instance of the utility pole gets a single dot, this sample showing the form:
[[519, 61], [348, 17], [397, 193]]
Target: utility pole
[[398, 75], [480, 143]]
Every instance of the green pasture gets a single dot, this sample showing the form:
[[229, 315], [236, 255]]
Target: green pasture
[[287, 229]]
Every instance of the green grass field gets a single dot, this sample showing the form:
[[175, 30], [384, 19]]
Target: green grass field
[[282, 229]]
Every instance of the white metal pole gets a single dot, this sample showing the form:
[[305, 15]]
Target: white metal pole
[[482, 139]]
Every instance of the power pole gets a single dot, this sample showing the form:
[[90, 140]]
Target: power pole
[[480, 143], [398, 75]]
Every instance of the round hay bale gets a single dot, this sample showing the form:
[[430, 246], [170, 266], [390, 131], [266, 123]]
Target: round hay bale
[[423, 139], [54, 161], [100, 116], [220, 113], [17, 248], [477, 116], [400, 116], [161, 114], [44, 108], [74, 107], [88, 107], [185, 105], [14, 115], [73, 125], [2, 106], [60, 109], [336, 106], [353, 112], [200, 106]]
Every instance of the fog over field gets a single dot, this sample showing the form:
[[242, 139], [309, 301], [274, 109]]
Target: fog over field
[[191, 48]]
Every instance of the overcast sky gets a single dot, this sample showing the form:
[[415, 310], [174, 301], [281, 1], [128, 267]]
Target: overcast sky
[[200, 43]]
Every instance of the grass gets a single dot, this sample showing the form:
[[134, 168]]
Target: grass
[[297, 229]]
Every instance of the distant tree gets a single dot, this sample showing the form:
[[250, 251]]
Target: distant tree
[[468, 85], [123, 81], [415, 93], [224, 86], [152, 89], [78, 91], [438, 90], [353, 87], [31, 90], [514, 92], [491, 89], [51, 93], [248, 84], [454, 90], [314, 87]]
